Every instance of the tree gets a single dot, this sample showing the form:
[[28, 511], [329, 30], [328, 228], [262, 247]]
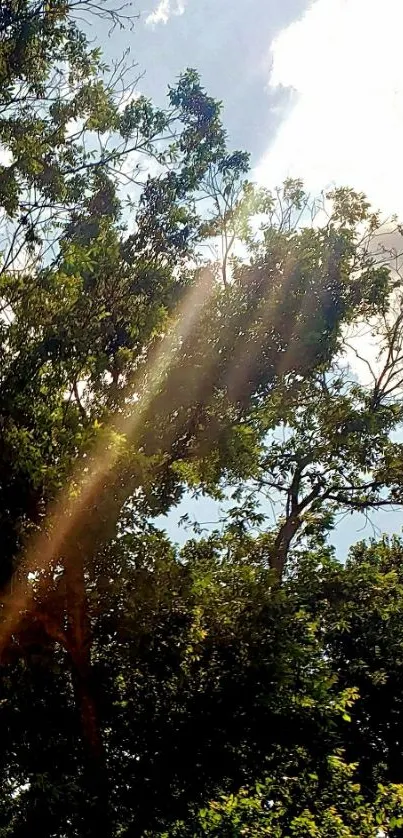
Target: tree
[[60, 210], [301, 805], [362, 621], [130, 370], [96, 333], [339, 771], [328, 449]]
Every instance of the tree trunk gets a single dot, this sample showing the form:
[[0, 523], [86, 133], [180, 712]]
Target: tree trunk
[[97, 814], [282, 544]]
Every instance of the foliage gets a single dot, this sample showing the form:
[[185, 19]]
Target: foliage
[[331, 806], [147, 690]]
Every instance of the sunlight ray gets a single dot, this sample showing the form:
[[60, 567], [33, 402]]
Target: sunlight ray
[[88, 480]]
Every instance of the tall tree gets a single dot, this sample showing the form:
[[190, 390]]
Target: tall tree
[[127, 374], [328, 449]]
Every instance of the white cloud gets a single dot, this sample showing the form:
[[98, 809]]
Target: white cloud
[[164, 11], [6, 157], [342, 60]]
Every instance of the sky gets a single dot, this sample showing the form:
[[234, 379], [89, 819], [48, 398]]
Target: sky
[[310, 89]]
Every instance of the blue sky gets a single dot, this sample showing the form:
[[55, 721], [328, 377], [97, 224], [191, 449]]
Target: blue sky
[[228, 42], [311, 89]]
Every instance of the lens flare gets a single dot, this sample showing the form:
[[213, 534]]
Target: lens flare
[[88, 481]]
